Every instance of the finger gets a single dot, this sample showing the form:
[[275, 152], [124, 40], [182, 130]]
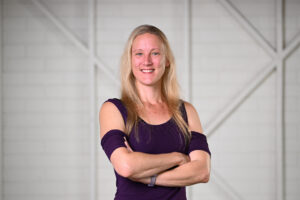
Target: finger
[[127, 145], [129, 148]]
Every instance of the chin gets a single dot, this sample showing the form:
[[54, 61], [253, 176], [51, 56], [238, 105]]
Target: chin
[[149, 83]]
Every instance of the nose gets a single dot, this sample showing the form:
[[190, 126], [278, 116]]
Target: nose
[[148, 60]]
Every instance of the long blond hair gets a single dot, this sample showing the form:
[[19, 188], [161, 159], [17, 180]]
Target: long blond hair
[[170, 87]]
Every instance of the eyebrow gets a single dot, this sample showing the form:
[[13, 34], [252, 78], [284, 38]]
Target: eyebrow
[[133, 50]]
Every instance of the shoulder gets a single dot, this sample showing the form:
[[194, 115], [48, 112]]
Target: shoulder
[[193, 118], [110, 105], [189, 107], [190, 110], [110, 118], [108, 108], [113, 106]]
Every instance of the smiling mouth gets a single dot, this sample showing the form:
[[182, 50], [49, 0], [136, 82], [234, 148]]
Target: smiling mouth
[[147, 70]]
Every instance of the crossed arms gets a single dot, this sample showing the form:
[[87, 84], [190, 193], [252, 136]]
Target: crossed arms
[[191, 169]]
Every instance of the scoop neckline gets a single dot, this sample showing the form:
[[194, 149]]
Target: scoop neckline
[[164, 123]]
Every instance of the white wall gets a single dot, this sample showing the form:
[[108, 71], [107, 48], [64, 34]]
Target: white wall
[[45, 94], [1, 185], [45, 112]]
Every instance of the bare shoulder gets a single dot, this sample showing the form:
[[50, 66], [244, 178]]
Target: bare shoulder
[[193, 118], [110, 118]]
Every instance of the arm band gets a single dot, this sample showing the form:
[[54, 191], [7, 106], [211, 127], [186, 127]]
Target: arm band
[[198, 142], [112, 140]]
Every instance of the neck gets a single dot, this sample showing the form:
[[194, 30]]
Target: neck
[[150, 94]]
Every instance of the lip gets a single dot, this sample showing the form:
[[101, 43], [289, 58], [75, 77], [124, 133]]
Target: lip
[[147, 70]]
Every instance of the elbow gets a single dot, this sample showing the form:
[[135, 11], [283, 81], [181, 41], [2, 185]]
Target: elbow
[[123, 162], [124, 172], [203, 177], [124, 169]]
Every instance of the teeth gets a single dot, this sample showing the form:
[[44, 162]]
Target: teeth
[[147, 70]]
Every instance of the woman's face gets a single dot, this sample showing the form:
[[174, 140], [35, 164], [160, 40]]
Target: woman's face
[[147, 59]]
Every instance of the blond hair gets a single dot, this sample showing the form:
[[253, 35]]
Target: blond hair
[[170, 87]]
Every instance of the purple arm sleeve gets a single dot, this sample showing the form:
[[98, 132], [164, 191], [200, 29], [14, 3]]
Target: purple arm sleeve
[[112, 140], [198, 142]]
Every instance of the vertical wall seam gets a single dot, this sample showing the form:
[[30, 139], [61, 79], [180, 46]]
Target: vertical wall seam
[[187, 48], [279, 100], [188, 63], [1, 85], [92, 86]]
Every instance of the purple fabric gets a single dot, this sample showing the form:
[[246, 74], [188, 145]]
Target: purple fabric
[[112, 140], [198, 142], [153, 139]]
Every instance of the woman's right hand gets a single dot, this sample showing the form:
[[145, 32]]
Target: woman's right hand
[[127, 145]]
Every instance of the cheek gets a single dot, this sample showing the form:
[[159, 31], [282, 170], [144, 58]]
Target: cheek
[[135, 62], [134, 67], [155, 62], [160, 61]]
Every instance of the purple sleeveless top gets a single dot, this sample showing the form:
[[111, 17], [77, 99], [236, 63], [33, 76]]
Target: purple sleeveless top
[[152, 139]]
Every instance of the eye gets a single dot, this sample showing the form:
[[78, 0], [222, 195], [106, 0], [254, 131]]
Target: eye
[[138, 54], [155, 53]]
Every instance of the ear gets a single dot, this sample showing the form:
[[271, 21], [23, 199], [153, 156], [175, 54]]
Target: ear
[[167, 63]]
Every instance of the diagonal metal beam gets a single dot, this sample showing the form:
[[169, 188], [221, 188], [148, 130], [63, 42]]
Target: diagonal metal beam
[[76, 41], [221, 182], [277, 63], [221, 117], [248, 27], [242, 96], [292, 46]]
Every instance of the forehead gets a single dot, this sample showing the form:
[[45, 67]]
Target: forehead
[[146, 40]]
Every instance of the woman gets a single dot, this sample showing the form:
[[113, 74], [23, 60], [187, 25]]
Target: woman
[[153, 139]]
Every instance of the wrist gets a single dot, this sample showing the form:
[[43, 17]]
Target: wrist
[[152, 181]]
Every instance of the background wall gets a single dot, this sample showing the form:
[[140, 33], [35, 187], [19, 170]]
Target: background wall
[[45, 79]]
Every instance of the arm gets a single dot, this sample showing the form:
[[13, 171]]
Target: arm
[[130, 164], [196, 171]]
